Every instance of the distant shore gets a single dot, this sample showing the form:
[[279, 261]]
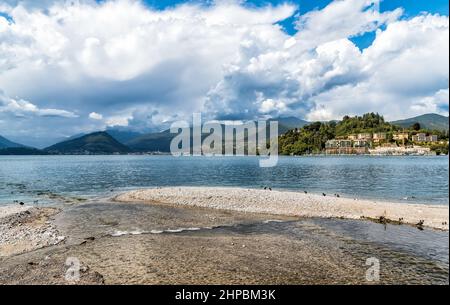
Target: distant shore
[[37, 152], [298, 204]]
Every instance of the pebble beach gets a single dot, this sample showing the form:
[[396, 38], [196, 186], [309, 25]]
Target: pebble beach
[[293, 204]]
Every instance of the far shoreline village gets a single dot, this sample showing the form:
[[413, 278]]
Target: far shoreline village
[[380, 144], [364, 135]]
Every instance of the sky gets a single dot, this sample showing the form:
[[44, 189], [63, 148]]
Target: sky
[[71, 67]]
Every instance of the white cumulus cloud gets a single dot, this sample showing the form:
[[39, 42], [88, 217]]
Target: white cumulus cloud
[[121, 63], [20, 107], [95, 116]]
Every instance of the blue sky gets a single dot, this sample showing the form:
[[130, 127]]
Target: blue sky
[[411, 8], [69, 69]]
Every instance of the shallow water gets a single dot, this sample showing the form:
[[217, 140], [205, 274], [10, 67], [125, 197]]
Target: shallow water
[[416, 254], [427, 244], [406, 254], [70, 179]]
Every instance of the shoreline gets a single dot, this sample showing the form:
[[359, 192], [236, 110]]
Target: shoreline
[[279, 155], [291, 203], [166, 243]]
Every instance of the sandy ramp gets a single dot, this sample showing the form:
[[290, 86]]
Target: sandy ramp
[[291, 204]]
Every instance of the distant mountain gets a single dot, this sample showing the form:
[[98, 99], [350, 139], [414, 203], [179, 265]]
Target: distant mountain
[[430, 121], [5, 143], [21, 151], [288, 123], [73, 137], [94, 143], [123, 136], [152, 142], [160, 141]]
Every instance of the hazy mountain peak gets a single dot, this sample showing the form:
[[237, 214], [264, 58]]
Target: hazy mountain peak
[[5, 143], [94, 143]]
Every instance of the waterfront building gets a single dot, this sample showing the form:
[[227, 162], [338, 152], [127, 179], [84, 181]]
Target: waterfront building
[[422, 137], [360, 147], [365, 136], [400, 136], [346, 147], [432, 138], [380, 136], [361, 143], [338, 143], [338, 147]]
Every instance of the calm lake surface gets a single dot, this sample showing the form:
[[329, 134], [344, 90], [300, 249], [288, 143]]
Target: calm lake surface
[[52, 179]]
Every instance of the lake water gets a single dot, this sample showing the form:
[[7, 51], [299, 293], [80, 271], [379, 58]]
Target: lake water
[[51, 179]]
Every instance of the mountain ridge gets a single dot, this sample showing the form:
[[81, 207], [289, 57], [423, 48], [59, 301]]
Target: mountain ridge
[[99, 142], [431, 121], [5, 143], [160, 141]]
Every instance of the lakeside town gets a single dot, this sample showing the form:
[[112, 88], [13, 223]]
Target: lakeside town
[[382, 143], [368, 134]]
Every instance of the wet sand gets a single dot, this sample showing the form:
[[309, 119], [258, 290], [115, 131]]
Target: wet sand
[[135, 243], [293, 204]]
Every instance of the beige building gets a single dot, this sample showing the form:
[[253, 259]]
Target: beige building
[[364, 136], [400, 136], [380, 136], [360, 143]]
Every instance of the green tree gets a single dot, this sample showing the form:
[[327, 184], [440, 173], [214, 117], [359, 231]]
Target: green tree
[[415, 126]]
